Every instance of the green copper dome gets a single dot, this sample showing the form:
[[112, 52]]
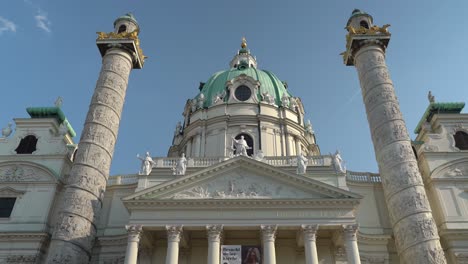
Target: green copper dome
[[268, 83]]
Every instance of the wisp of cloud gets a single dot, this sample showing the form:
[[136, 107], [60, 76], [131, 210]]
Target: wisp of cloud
[[43, 22], [6, 25]]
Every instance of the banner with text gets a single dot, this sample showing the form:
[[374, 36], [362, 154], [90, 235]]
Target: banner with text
[[237, 254]]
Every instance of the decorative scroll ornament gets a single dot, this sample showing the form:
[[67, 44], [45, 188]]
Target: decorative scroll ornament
[[124, 35]]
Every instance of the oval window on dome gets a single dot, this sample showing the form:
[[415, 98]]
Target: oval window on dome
[[243, 93]]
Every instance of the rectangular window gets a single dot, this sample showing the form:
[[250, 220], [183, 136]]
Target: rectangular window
[[6, 206]]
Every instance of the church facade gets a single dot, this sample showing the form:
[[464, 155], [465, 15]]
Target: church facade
[[244, 180]]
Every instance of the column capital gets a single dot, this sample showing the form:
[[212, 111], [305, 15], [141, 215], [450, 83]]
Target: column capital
[[174, 233], [350, 231], [134, 232], [309, 231], [214, 232], [268, 232]]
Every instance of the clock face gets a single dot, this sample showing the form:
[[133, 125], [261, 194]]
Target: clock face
[[243, 93]]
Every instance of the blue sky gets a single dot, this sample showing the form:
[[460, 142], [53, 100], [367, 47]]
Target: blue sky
[[49, 50]]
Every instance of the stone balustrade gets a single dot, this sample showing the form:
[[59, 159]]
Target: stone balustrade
[[314, 161], [368, 177]]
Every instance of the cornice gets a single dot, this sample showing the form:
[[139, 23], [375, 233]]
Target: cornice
[[243, 203], [23, 236]]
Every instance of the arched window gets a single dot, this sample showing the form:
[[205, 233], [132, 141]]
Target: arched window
[[122, 28], [461, 140], [248, 139], [27, 145], [364, 24]]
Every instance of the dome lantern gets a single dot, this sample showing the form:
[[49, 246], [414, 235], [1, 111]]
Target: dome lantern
[[243, 56]]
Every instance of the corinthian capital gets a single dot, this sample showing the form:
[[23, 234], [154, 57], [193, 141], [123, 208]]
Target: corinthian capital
[[134, 232], [214, 232], [268, 232], [350, 231], [309, 231], [174, 233]]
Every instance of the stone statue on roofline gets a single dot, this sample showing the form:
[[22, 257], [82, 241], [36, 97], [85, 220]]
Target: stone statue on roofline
[[6, 131], [193, 105], [181, 165], [267, 98], [431, 97], [178, 129], [285, 101], [338, 162], [201, 101], [301, 164], [240, 146], [146, 164], [308, 127]]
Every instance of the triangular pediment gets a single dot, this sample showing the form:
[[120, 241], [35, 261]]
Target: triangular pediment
[[242, 178]]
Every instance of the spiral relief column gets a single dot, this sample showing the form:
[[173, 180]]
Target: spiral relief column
[[415, 231], [74, 233]]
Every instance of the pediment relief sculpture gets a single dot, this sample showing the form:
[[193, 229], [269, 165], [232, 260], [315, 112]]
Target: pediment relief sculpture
[[242, 187]]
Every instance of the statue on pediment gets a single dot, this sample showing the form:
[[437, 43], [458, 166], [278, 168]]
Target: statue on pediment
[[240, 146], [146, 164]]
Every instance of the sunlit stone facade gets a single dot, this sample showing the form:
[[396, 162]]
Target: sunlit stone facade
[[244, 169]]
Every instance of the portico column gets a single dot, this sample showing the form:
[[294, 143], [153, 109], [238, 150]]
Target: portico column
[[268, 240], [214, 241], [310, 246], [134, 233], [352, 251], [174, 234]]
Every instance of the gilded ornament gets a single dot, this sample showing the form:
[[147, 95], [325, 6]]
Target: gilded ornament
[[124, 35]]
